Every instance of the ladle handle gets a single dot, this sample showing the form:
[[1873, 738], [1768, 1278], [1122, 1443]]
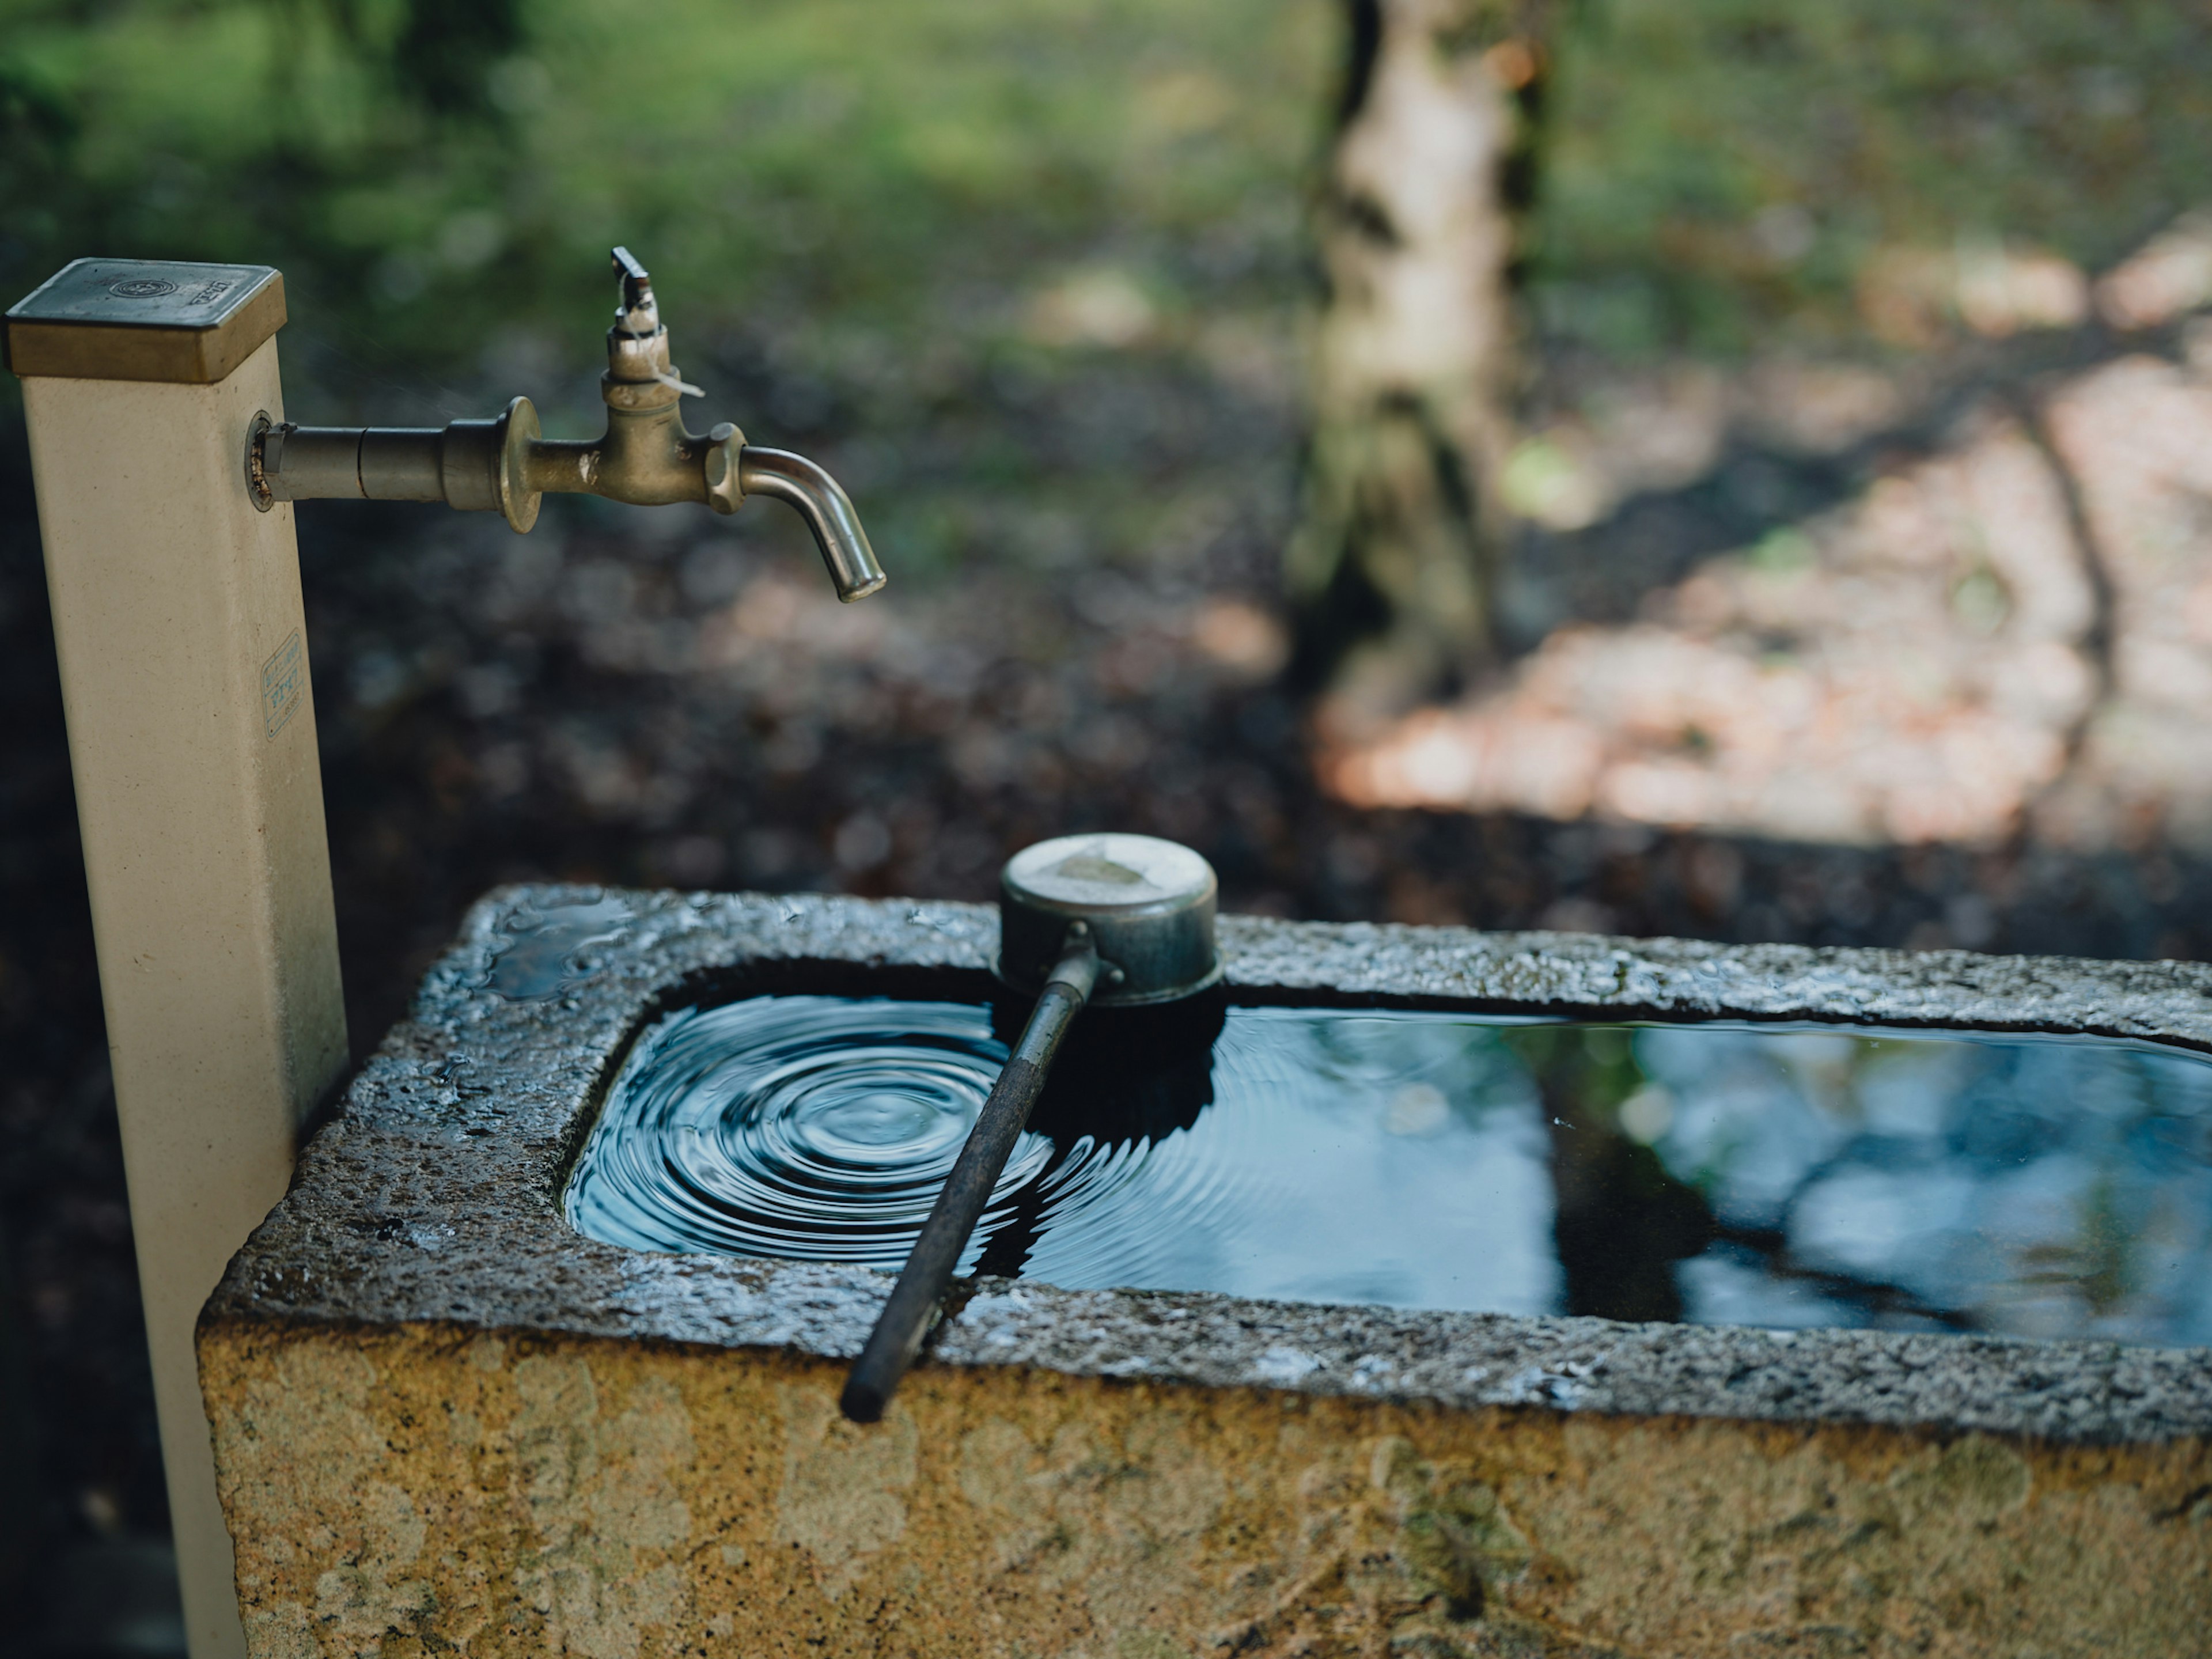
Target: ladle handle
[[929, 1268]]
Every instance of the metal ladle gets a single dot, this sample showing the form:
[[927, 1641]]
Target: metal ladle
[[1111, 919]]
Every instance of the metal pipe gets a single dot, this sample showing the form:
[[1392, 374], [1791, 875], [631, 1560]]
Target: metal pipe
[[310, 462], [398, 464], [478, 465], [828, 513], [905, 1319]]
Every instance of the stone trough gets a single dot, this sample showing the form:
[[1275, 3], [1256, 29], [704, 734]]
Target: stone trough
[[443, 1420]]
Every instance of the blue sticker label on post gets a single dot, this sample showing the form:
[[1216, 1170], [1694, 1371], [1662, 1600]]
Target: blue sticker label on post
[[283, 684]]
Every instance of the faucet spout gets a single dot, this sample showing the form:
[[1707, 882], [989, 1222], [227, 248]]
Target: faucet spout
[[822, 501]]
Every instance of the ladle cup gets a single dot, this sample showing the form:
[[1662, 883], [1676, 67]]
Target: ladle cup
[[1114, 920]]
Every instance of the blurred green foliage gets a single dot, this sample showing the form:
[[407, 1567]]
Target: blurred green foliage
[[1721, 170], [430, 175], [428, 172]]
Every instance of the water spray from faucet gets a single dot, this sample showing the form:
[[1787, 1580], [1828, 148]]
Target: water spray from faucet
[[646, 457]]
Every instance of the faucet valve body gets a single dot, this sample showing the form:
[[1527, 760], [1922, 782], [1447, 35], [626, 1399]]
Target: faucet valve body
[[646, 457]]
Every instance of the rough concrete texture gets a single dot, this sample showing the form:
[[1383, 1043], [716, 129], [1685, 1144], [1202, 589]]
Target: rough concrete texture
[[443, 1419], [420, 1487]]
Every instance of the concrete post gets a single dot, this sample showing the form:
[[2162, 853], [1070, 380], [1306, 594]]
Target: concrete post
[[184, 666]]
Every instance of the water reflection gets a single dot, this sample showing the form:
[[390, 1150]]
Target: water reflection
[[546, 952], [1771, 1176], [2039, 1186]]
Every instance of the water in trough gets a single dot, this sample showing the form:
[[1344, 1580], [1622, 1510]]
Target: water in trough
[[1782, 1176]]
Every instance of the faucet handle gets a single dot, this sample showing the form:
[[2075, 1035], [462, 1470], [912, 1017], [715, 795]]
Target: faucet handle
[[638, 314]]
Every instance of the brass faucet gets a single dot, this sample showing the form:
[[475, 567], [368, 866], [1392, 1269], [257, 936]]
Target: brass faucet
[[645, 457]]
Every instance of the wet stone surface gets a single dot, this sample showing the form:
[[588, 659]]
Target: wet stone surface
[[435, 1196]]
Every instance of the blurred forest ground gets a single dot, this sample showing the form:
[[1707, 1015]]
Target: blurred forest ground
[[1858, 599]]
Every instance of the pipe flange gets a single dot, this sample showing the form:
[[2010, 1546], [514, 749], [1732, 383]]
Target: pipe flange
[[518, 430], [257, 461]]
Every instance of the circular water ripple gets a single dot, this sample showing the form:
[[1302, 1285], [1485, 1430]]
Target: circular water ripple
[[821, 1129], [810, 1128]]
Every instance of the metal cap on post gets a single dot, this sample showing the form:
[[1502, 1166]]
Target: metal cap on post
[[181, 638], [144, 319]]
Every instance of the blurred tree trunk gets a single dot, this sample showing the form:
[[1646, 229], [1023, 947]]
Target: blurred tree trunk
[[1393, 571]]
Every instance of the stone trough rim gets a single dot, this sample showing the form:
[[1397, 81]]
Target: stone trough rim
[[431, 1198]]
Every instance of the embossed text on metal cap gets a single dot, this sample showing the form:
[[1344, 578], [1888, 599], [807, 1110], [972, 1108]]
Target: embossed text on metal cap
[[144, 319]]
